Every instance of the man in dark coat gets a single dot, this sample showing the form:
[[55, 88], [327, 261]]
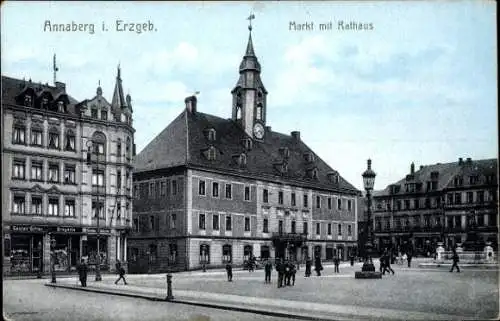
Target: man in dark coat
[[229, 271], [456, 259], [387, 263], [82, 272], [121, 272], [317, 266], [293, 271], [280, 267], [308, 267], [352, 259], [408, 257], [336, 262], [268, 267]]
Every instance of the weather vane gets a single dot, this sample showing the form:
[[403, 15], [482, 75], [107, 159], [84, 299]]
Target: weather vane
[[250, 18]]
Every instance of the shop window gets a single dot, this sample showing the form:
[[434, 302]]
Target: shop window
[[53, 206], [53, 173], [18, 169], [227, 253], [20, 253], [36, 136], [36, 205], [18, 205], [215, 189], [264, 252], [18, 134], [69, 207], [69, 174], [134, 254], [204, 254], [247, 224], [265, 226], [215, 222], [228, 222]]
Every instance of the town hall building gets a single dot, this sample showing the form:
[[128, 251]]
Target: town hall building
[[209, 190]]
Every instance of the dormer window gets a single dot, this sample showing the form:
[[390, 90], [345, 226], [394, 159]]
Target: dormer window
[[211, 135], [45, 103], [309, 157], [284, 168], [27, 101], [333, 177], [458, 181], [61, 107], [247, 143], [93, 113], [242, 160], [314, 173], [211, 154], [285, 152], [104, 115]]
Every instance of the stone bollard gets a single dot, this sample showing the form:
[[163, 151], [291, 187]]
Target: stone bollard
[[169, 287]]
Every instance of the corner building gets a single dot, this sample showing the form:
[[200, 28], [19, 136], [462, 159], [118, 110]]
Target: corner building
[[438, 203], [48, 188], [213, 190]]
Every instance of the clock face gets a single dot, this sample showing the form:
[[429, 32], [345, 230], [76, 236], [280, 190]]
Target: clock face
[[258, 131]]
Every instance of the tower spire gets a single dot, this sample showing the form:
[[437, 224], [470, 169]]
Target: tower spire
[[250, 51]]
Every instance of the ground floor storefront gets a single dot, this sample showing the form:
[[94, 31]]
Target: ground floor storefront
[[178, 254], [30, 249]]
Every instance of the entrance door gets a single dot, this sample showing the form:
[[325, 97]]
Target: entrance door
[[329, 253], [37, 258]]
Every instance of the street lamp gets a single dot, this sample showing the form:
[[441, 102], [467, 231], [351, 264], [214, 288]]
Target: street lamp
[[368, 269], [52, 259], [98, 207]]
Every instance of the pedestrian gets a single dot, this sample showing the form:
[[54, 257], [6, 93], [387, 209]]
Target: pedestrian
[[409, 258], [352, 259], [292, 273], [229, 271], [456, 259], [382, 260], [336, 262], [308, 267], [268, 268], [82, 272], [287, 273], [387, 264], [280, 267], [121, 272], [317, 266]]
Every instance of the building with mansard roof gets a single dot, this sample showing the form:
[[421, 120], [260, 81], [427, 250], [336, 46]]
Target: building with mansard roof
[[49, 191], [438, 203], [209, 190]]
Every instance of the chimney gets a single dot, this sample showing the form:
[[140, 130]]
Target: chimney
[[421, 167], [460, 161], [268, 128], [191, 104], [60, 85], [412, 168], [469, 160], [296, 135]]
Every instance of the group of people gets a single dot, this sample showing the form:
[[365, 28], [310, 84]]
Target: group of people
[[83, 269], [385, 263]]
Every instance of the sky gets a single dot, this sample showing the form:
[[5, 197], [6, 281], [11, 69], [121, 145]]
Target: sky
[[420, 86]]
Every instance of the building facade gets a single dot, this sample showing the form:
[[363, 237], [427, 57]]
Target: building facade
[[50, 191], [438, 203], [209, 190]]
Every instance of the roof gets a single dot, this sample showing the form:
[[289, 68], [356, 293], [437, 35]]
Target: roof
[[446, 174], [12, 87], [185, 142]]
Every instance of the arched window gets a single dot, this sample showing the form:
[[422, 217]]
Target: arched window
[[227, 253], [238, 112], [70, 140], [119, 148], [99, 143], [258, 115], [204, 254], [54, 138], [247, 252]]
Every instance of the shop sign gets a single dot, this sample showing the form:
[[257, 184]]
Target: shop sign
[[68, 229], [102, 230], [27, 228]]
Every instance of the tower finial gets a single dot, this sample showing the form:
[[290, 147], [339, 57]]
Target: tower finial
[[118, 73], [55, 69], [250, 18]]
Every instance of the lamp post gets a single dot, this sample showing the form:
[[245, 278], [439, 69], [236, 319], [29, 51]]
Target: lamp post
[[52, 259], [98, 207], [368, 269]]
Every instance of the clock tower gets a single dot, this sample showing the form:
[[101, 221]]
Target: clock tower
[[249, 95]]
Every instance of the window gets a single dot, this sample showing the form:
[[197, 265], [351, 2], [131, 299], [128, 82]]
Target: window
[[339, 204], [318, 202], [280, 226], [416, 221], [28, 102], [151, 190], [458, 198], [306, 201], [205, 254], [18, 134], [349, 205], [259, 112], [118, 211], [162, 188], [329, 228], [227, 253], [349, 229], [18, 204], [119, 148], [127, 148], [407, 204], [201, 187], [36, 171], [229, 194], [480, 196], [305, 229], [70, 141], [98, 147], [339, 228], [398, 205], [280, 197], [18, 169], [480, 220], [53, 173], [318, 228], [416, 203], [53, 206], [215, 222], [247, 193], [93, 113], [215, 189], [470, 197], [69, 174], [458, 221], [118, 179], [228, 223], [174, 187], [293, 227], [247, 224], [201, 221], [36, 205], [36, 136], [136, 225], [97, 177], [265, 226], [265, 196], [211, 153], [152, 222], [104, 115], [69, 207], [54, 139], [293, 200], [97, 206], [427, 203], [492, 219], [211, 134], [329, 203]]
